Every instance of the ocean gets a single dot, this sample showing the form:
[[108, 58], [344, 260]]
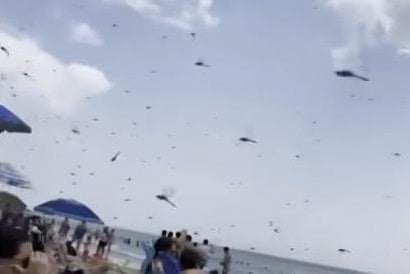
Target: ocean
[[243, 262]]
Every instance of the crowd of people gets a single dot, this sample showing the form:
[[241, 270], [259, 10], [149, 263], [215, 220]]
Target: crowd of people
[[45, 230], [20, 233], [26, 242], [177, 253], [83, 238]]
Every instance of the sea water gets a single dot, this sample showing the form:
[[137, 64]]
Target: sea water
[[243, 262]]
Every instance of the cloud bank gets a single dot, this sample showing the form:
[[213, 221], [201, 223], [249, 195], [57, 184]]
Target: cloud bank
[[85, 34], [32, 72], [368, 22], [184, 14]]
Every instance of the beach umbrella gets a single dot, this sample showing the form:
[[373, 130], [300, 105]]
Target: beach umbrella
[[70, 209], [10, 176], [11, 203], [11, 123]]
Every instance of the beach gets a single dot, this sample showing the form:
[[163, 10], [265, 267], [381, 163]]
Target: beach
[[205, 136], [127, 255]]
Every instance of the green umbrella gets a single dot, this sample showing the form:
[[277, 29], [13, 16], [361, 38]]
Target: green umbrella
[[11, 203]]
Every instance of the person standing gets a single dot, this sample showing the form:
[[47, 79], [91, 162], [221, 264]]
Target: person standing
[[204, 251], [102, 243], [42, 225], [190, 261], [146, 266], [163, 235], [165, 261], [188, 242], [51, 230], [79, 233], [87, 244], [64, 229], [226, 262], [178, 243], [36, 237], [110, 241]]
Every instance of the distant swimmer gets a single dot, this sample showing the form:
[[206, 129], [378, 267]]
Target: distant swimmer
[[127, 241]]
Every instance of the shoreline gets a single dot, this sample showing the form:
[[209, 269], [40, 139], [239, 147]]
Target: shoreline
[[122, 253], [265, 257]]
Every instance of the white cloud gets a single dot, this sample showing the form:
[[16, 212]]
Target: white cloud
[[58, 85], [140, 5], [85, 34], [204, 12], [184, 14], [404, 51], [369, 22]]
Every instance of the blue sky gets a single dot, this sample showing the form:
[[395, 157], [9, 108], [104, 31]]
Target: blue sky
[[270, 78]]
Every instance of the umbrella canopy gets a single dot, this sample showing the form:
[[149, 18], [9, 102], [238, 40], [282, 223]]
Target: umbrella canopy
[[11, 123], [10, 176], [70, 209], [11, 203]]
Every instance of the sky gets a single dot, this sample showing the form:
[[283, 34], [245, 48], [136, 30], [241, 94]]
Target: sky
[[123, 73]]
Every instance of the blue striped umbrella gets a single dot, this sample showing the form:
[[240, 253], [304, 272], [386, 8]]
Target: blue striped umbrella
[[11, 123], [70, 209], [10, 176]]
